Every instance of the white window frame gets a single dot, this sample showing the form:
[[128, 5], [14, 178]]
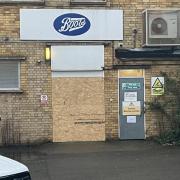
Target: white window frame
[[88, 2], [19, 80], [22, 1]]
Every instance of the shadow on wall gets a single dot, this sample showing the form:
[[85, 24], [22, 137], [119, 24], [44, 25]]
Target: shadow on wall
[[10, 133]]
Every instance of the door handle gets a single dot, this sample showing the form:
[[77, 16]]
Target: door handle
[[143, 109]]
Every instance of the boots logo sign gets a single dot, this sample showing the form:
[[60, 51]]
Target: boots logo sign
[[72, 24]]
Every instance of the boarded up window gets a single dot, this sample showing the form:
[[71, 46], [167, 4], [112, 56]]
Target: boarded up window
[[9, 74]]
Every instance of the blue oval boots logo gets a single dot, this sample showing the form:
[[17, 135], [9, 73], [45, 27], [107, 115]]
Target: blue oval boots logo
[[72, 24]]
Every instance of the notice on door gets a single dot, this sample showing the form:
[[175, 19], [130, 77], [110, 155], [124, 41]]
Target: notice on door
[[130, 96], [131, 108], [131, 119], [131, 86]]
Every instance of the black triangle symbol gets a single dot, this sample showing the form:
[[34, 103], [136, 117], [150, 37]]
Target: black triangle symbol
[[131, 104], [157, 84]]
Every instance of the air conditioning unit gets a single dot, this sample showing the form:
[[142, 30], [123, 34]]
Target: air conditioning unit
[[161, 27]]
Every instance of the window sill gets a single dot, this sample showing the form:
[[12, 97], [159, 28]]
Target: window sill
[[13, 58], [77, 2], [37, 2], [11, 91]]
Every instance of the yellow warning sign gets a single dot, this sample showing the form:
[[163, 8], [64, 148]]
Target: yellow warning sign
[[131, 108], [157, 86]]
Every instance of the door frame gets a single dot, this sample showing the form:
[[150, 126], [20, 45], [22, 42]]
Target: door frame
[[119, 99]]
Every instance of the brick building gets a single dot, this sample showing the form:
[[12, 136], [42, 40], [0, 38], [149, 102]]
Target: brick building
[[83, 101]]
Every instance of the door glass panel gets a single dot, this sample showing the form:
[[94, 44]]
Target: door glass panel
[[131, 73]]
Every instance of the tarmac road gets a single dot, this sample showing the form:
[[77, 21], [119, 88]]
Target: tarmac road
[[119, 160]]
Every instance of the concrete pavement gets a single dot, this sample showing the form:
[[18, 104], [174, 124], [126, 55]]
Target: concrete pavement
[[119, 160]]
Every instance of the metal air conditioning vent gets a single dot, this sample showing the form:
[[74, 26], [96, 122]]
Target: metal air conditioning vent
[[161, 27]]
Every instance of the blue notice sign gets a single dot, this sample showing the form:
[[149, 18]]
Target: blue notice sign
[[131, 86]]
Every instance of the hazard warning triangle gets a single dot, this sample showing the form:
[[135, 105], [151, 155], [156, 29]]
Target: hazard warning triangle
[[131, 104], [157, 83]]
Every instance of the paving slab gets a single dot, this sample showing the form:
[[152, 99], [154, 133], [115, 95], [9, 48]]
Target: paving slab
[[117, 160]]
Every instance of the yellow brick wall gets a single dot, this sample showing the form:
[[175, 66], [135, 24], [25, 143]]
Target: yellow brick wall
[[9, 22], [33, 121], [133, 19], [23, 118], [154, 118]]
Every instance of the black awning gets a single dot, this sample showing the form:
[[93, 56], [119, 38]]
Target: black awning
[[147, 53]]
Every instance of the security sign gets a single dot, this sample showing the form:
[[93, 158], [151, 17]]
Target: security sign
[[131, 108], [44, 99], [157, 86]]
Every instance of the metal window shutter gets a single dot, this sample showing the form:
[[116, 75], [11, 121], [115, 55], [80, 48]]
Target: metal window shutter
[[9, 74]]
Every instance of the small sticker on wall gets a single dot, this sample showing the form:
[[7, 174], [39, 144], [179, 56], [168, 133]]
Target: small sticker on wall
[[44, 99], [131, 119]]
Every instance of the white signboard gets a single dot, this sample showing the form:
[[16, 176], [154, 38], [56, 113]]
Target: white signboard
[[131, 119], [157, 86], [77, 58], [71, 24], [130, 96]]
